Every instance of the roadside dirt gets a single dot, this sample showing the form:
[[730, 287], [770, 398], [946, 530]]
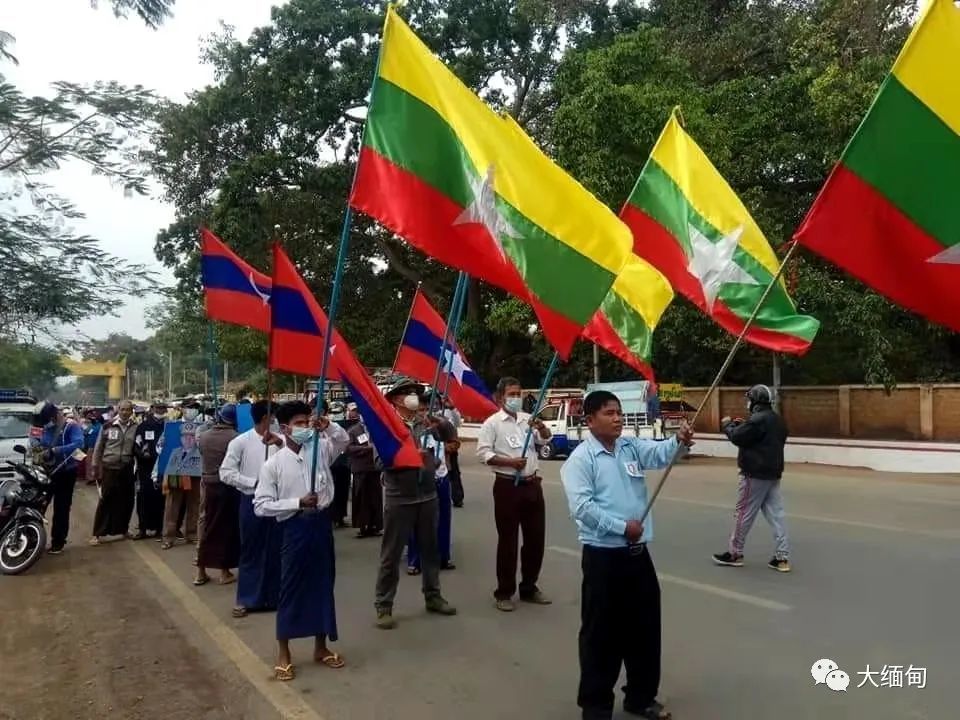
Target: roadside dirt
[[82, 636]]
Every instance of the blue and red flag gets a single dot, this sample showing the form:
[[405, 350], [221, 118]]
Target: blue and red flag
[[233, 291], [296, 345], [419, 353]]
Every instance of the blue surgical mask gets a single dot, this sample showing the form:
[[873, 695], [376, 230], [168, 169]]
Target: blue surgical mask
[[302, 435], [513, 404]]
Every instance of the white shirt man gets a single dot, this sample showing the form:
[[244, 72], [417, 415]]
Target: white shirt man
[[246, 455]]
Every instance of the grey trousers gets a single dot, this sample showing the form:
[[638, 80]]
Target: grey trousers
[[755, 496], [399, 522]]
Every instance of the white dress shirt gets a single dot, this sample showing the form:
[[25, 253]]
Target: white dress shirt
[[502, 434], [285, 477], [246, 454]]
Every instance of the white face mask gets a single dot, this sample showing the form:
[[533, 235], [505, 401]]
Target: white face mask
[[190, 414], [411, 402]]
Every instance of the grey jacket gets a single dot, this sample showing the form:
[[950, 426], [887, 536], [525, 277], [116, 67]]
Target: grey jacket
[[115, 446]]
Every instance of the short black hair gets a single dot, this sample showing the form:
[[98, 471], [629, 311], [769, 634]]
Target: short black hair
[[506, 382], [288, 410], [260, 409], [594, 402]]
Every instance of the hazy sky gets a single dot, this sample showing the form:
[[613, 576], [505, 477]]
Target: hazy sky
[[68, 40]]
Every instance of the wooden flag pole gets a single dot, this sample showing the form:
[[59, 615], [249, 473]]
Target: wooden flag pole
[[719, 378]]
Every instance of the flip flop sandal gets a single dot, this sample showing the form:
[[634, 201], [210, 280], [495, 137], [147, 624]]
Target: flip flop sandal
[[201, 581], [333, 660], [94, 542], [166, 545], [413, 571], [656, 711], [284, 673], [239, 612], [228, 581]]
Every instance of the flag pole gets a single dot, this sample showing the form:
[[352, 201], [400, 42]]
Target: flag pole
[[270, 410], [548, 376], [723, 371], [406, 326], [338, 278], [211, 359]]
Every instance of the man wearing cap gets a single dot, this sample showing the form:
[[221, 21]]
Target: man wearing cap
[[149, 495], [219, 545], [517, 494], [410, 506]]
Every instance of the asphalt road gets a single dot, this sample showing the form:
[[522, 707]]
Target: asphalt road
[[875, 582]]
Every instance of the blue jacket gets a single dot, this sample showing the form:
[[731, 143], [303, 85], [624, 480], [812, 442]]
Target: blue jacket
[[63, 443], [91, 435]]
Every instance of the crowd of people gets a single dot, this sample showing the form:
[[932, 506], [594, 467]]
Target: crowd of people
[[266, 503]]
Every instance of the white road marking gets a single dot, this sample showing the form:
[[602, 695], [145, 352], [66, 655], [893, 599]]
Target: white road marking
[[699, 586]]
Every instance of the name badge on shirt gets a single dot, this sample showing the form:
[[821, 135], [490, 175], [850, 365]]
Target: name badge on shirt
[[149, 434], [363, 439], [633, 469], [514, 442], [113, 433]]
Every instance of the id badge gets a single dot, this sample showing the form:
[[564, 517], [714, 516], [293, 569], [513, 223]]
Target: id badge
[[514, 442], [149, 435], [362, 439], [113, 433], [633, 469]]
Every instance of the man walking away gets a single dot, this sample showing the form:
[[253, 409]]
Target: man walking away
[[219, 545], [517, 494], [410, 506], [113, 461], [149, 495], [258, 584], [760, 458], [340, 470], [620, 595], [367, 511], [307, 558], [90, 435], [60, 439]]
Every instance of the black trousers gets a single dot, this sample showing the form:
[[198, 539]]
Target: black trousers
[[620, 623], [63, 484], [150, 500], [456, 480], [341, 493]]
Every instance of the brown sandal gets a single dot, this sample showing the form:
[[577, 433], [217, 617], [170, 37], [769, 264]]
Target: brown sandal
[[284, 673], [333, 660]]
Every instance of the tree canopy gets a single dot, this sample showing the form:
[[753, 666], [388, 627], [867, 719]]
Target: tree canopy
[[771, 90]]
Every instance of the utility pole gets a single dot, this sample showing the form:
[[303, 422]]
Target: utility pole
[[596, 363], [776, 382], [170, 375], [226, 373]]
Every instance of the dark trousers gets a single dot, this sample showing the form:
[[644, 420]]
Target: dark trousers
[[63, 484], [117, 488], [399, 523], [620, 623], [516, 508], [456, 480], [149, 499], [341, 493]]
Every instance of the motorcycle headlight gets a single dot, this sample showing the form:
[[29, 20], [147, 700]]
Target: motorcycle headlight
[[9, 491]]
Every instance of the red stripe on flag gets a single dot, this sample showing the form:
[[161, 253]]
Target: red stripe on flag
[[237, 308], [852, 225], [425, 217], [602, 333], [657, 246]]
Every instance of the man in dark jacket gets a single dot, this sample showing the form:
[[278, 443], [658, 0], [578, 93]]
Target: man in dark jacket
[[760, 440], [149, 496], [60, 439]]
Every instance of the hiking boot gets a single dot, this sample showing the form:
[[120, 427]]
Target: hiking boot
[[505, 605], [779, 564], [385, 619], [440, 606], [536, 598], [728, 559]]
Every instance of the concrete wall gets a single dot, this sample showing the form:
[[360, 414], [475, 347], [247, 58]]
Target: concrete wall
[[908, 412]]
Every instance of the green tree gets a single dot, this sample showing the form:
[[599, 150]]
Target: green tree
[[29, 366], [152, 12]]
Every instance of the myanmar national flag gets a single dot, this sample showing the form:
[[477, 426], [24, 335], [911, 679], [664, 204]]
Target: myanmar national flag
[[623, 326], [888, 213], [688, 223], [469, 188]]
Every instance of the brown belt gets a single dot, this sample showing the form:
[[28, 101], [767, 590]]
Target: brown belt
[[513, 478]]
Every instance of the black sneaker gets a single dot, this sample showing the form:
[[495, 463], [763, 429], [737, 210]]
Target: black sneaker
[[55, 550], [728, 559], [779, 564], [653, 711]]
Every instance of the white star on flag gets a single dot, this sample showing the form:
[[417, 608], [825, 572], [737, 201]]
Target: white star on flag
[[950, 256], [713, 265], [454, 364], [483, 210], [263, 296]]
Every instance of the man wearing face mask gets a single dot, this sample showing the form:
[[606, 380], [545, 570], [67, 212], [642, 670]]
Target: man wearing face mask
[[367, 512], [517, 494], [60, 439], [760, 440], [113, 461], [300, 504], [410, 506]]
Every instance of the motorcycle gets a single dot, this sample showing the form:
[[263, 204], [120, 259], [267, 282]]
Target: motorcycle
[[23, 503]]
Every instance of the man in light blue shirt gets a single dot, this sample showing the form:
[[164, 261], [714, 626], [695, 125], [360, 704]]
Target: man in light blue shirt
[[607, 493]]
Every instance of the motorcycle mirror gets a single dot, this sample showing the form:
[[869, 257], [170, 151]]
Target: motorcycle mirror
[[20, 449]]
